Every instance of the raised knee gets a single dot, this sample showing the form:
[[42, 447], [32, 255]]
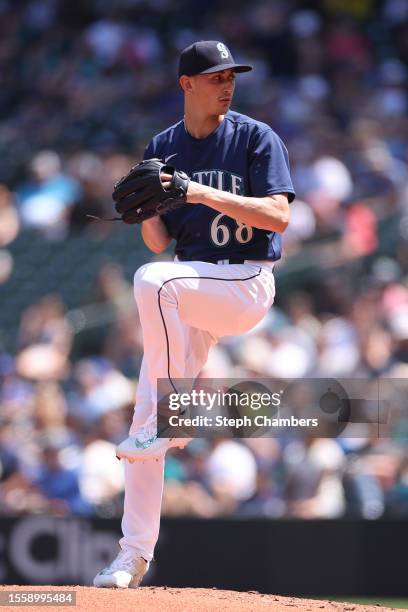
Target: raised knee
[[147, 279]]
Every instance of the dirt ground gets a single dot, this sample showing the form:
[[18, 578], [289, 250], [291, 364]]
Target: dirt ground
[[157, 599]]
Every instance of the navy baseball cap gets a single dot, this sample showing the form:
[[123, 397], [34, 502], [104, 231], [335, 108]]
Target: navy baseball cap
[[208, 56]]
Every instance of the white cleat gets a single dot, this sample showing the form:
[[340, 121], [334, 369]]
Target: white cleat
[[133, 449], [144, 444], [126, 571]]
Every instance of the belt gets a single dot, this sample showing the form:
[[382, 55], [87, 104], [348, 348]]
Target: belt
[[232, 260], [264, 263], [235, 260]]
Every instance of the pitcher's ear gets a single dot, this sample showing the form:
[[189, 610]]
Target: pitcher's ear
[[185, 83]]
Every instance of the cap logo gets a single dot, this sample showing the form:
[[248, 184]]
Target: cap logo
[[223, 50]]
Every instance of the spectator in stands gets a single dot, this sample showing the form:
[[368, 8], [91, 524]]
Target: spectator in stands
[[9, 221], [45, 340], [44, 201], [60, 484]]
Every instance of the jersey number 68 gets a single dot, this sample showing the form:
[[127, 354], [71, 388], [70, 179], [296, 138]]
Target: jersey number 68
[[221, 234]]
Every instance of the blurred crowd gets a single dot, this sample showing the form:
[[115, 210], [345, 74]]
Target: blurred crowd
[[61, 418], [84, 87]]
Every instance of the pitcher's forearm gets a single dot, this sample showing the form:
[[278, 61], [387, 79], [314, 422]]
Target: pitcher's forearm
[[270, 212], [155, 235]]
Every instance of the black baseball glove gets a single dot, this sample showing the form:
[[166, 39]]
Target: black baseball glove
[[140, 194]]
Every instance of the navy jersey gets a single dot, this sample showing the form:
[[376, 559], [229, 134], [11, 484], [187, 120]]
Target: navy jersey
[[242, 156]]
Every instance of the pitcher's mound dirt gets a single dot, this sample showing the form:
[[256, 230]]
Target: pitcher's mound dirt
[[168, 599]]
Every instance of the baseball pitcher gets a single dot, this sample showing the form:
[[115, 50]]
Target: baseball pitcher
[[218, 183]]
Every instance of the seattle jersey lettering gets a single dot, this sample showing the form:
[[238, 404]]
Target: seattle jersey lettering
[[220, 233], [220, 179]]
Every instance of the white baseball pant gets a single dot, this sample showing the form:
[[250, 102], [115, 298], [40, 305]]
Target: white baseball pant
[[184, 308]]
